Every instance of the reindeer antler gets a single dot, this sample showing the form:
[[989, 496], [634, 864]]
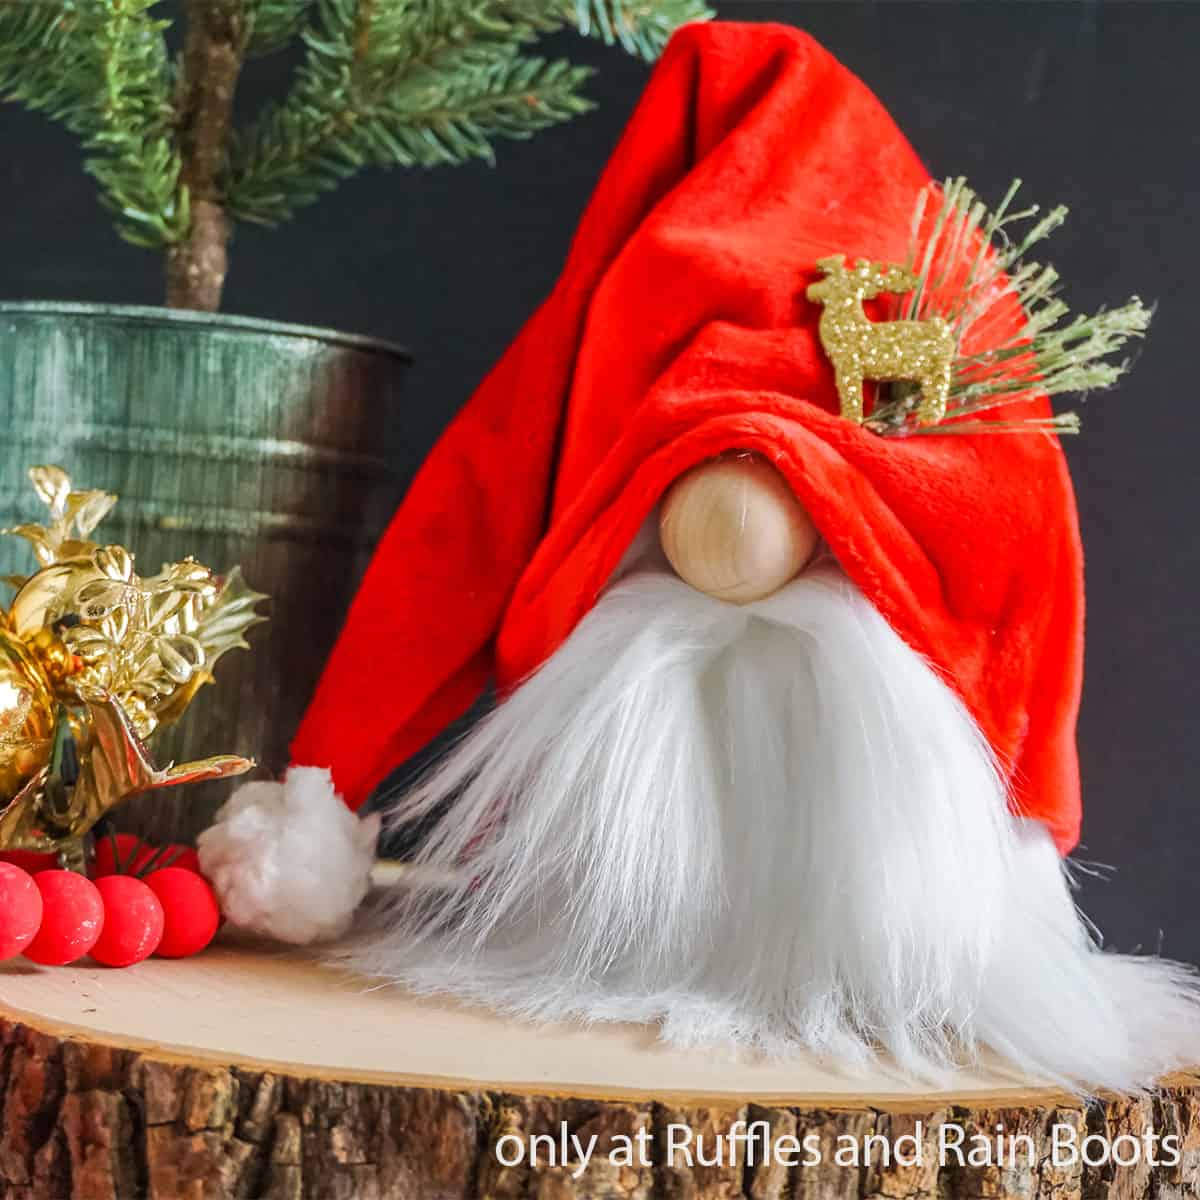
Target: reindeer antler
[[834, 263]]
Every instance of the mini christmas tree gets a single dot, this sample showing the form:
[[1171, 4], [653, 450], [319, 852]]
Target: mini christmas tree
[[381, 83]]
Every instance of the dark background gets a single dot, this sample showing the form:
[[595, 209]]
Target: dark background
[[1091, 104]]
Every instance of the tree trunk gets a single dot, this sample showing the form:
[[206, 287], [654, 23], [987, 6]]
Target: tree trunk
[[213, 53], [196, 267], [243, 1073]]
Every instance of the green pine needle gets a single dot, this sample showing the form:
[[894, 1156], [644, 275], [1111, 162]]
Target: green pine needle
[[423, 83], [31, 36], [381, 83], [641, 27], [274, 23], [100, 67]]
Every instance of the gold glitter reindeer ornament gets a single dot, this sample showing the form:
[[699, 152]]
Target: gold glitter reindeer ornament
[[93, 659], [859, 348]]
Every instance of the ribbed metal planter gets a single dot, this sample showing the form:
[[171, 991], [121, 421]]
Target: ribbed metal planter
[[233, 440]]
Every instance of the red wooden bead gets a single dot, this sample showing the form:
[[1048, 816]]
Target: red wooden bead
[[133, 921], [20, 910], [133, 856], [190, 912], [183, 857], [30, 860], [104, 861], [173, 855], [72, 918]]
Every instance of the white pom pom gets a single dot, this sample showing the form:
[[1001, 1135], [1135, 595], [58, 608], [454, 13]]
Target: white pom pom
[[289, 859]]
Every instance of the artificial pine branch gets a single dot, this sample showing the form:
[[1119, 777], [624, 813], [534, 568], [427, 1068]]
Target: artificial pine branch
[[271, 24], [133, 157], [424, 83], [642, 27], [382, 83], [32, 38], [399, 85], [100, 67]]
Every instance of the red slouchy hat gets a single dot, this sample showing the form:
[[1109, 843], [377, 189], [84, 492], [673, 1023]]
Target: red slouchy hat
[[679, 330]]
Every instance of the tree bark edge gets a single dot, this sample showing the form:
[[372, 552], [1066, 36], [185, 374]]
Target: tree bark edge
[[86, 1119]]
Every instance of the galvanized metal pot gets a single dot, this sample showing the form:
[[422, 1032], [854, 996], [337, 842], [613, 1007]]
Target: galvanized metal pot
[[230, 439]]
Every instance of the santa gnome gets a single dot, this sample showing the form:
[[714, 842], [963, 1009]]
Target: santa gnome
[[784, 746]]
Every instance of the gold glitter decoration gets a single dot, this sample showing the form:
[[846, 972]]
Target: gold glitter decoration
[[920, 352], [93, 659]]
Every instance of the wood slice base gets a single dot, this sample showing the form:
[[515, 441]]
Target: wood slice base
[[249, 1073]]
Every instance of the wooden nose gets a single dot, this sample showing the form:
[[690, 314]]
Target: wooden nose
[[733, 529]]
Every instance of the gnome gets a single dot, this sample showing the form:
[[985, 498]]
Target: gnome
[[763, 532]]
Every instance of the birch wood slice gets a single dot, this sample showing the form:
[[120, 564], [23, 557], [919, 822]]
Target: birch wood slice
[[245, 1072]]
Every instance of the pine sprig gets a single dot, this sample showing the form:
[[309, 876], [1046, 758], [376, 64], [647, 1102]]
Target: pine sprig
[[642, 27], [970, 267], [100, 67], [134, 158], [381, 83], [32, 36], [274, 23], [405, 85]]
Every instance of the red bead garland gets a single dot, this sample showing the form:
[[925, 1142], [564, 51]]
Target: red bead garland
[[141, 900]]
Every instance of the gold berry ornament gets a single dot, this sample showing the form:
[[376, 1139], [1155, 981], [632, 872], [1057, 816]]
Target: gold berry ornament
[[93, 659]]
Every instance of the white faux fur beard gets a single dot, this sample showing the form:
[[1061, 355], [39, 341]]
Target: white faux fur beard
[[772, 824]]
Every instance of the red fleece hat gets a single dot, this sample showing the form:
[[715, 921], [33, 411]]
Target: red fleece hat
[[679, 330]]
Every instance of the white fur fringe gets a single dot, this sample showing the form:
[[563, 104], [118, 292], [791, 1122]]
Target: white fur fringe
[[770, 824], [289, 860]]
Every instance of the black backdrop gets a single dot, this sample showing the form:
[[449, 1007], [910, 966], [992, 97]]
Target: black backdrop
[[1092, 104]]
